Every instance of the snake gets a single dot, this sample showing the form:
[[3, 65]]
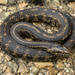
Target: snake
[[52, 45]]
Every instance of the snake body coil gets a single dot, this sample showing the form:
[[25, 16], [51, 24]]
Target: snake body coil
[[15, 45]]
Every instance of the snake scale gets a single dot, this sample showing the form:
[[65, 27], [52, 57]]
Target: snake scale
[[21, 21]]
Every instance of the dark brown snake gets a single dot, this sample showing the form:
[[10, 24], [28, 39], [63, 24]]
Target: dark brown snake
[[17, 46]]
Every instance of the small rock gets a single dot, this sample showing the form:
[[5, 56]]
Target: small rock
[[22, 61], [13, 1], [8, 58], [34, 70], [3, 1], [11, 12], [31, 74], [14, 65], [8, 70], [10, 63], [74, 63], [52, 70], [30, 64], [74, 15], [69, 61], [72, 5], [22, 6], [49, 31], [64, 60], [64, 73], [57, 1], [23, 74], [28, 39], [9, 73], [60, 64], [4, 8], [0, 24], [66, 69], [7, 14], [43, 64], [55, 29], [1, 10], [69, 71], [22, 68], [43, 72], [2, 59], [60, 73], [2, 67], [2, 16], [1, 54], [48, 73], [60, 7], [12, 8], [67, 65]]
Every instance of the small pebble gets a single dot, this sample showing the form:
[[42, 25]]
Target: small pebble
[[12, 8], [41, 74], [60, 65], [3, 1], [43, 71], [4, 8], [66, 69], [61, 7], [34, 70], [60, 73], [52, 70], [2, 68], [1, 10], [2, 59], [43, 64], [23, 74], [8, 58], [7, 14], [57, 1], [22, 6], [67, 65], [9, 73], [22, 68], [9, 69]]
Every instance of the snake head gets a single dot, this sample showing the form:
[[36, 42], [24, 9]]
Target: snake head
[[59, 50]]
